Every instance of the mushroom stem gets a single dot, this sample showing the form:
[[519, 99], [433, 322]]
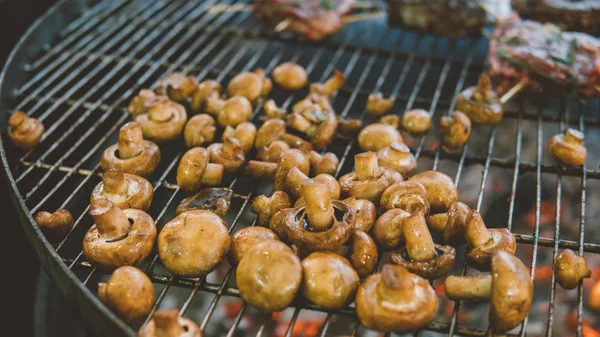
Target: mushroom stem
[[473, 287], [366, 165], [160, 112], [130, 140], [419, 244], [261, 169], [114, 181], [213, 174], [111, 222], [476, 233], [438, 222], [293, 181], [318, 205], [231, 148], [396, 286]]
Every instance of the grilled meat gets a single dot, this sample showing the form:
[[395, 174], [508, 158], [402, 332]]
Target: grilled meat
[[577, 15], [550, 59], [315, 19]]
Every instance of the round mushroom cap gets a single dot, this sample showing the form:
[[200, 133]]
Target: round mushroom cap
[[214, 199], [377, 136], [395, 300], [369, 189], [440, 188], [570, 269], [55, 226], [199, 130], [480, 112], [269, 276], [266, 207], [501, 240], [251, 85], [193, 243], [168, 323], [289, 159], [124, 190], [235, 111], [568, 148], [362, 253], [208, 88], [290, 76], [410, 196], [455, 129], [329, 281], [366, 213], [23, 131], [431, 270], [229, 154], [512, 291], [129, 293], [388, 229], [164, 121], [246, 238], [269, 132], [144, 100], [417, 121], [397, 156], [177, 86]]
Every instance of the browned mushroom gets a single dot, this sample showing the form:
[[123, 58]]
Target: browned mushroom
[[273, 111], [199, 131], [323, 163], [410, 196], [193, 243], [269, 275], [177, 86], [129, 293], [23, 131], [377, 105], [124, 190], [416, 122], [570, 269], [508, 288], [331, 86], [265, 207], [369, 180], [194, 170], [455, 129], [252, 85], [231, 112], [328, 280], [480, 103], [387, 230], [295, 177], [440, 189], [164, 121], [118, 237], [363, 253], [377, 136], [366, 213], [349, 127], [451, 224], [568, 149], [55, 226], [216, 200], [229, 154], [206, 89], [397, 156], [273, 152], [278, 171], [143, 101], [484, 243], [246, 238], [168, 323], [395, 301], [315, 119], [421, 255], [245, 133], [273, 130], [290, 76]]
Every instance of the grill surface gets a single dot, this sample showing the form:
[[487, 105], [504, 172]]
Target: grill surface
[[80, 85]]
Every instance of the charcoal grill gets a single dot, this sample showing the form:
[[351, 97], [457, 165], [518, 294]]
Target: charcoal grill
[[79, 65]]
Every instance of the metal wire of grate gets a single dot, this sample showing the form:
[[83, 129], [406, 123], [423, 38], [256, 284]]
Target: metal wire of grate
[[82, 84]]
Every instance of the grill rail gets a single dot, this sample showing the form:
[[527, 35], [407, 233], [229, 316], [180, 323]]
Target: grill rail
[[81, 85]]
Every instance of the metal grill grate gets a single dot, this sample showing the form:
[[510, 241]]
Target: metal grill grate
[[79, 88]]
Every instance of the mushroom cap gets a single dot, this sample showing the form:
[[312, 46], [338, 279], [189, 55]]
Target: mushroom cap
[[55, 226], [485, 113], [191, 168], [143, 101], [363, 253], [23, 131], [290, 76], [325, 132], [570, 269], [205, 89], [129, 293], [328, 280], [247, 84], [512, 291], [440, 188], [455, 129], [568, 148], [168, 323], [454, 222], [266, 208], [397, 156], [269, 132], [193, 243], [234, 112], [410, 196], [164, 121], [138, 192], [369, 189], [416, 121], [244, 132], [395, 300], [377, 105], [215, 199], [129, 251], [246, 238], [377, 136], [142, 165], [177, 86], [289, 159], [430, 270], [365, 211], [233, 164], [269, 276], [199, 130], [501, 240], [388, 229]]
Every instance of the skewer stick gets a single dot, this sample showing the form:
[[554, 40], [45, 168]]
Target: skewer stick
[[513, 91], [361, 17], [283, 25]]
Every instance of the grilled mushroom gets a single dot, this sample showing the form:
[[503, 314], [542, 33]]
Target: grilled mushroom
[[328, 280], [177, 86], [570, 269], [417, 121], [143, 101], [508, 288], [410, 196], [193, 243], [231, 112], [118, 237], [387, 230], [331, 86], [451, 224], [295, 177], [395, 300], [194, 170], [206, 89], [124, 190], [163, 122], [421, 256], [440, 189], [269, 275], [245, 133], [323, 163], [366, 213], [484, 243], [273, 152], [132, 154], [246, 238], [216, 200], [199, 131], [397, 156], [251, 85], [273, 111], [168, 323], [23, 131], [129, 293], [265, 207], [568, 149], [278, 171], [290, 76], [377, 105], [315, 119], [273, 130], [349, 127], [480, 103], [363, 253], [377, 136], [55, 226], [230, 154], [369, 180], [455, 129]]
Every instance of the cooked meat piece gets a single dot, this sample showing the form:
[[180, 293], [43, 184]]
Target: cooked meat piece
[[577, 15], [315, 19], [552, 60]]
